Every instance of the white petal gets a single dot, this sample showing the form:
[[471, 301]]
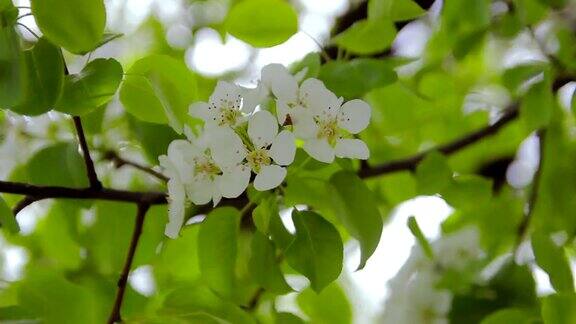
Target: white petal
[[201, 110], [262, 128], [253, 97], [283, 148], [176, 208], [200, 190], [314, 94], [282, 84], [301, 74], [352, 148], [319, 149], [304, 124], [224, 91], [270, 177], [181, 154], [354, 116], [226, 146], [282, 110], [234, 181]]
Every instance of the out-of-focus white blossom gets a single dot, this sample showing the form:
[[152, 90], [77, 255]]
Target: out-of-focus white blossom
[[415, 297]]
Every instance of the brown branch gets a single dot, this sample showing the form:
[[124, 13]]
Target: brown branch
[[410, 163], [531, 204], [140, 215], [44, 192], [120, 162], [90, 170], [25, 202]]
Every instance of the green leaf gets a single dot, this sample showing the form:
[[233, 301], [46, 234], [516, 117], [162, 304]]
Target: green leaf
[[356, 207], [45, 293], [507, 316], [198, 304], [433, 174], [7, 218], [77, 26], [311, 63], [536, 107], [515, 77], [262, 23], [573, 102], [317, 250], [44, 78], [367, 37], [552, 259], [287, 318], [329, 306], [397, 10], [154, 138], [66, 167], [262, 213], [12, 67], [559, 309], [467, 191], [353, 79], [264, 266], [417, 232], [93, 87], [217, 250], [159, 89]]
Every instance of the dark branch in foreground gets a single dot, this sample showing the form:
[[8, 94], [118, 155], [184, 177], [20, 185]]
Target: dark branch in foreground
[[141, 213], [410, 163], [120, 162], [90, 170], [531, 204]]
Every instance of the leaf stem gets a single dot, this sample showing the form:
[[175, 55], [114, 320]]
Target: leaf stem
[[90, 170]]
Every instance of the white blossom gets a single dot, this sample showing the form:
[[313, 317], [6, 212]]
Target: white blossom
[[293, 100], [193, 173], [225, 106], [334, 123]]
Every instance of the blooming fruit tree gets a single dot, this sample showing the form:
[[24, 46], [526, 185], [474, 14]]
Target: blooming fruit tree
[[413, 163]]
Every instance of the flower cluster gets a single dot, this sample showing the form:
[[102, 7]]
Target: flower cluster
[[414, 293], [242, 135]]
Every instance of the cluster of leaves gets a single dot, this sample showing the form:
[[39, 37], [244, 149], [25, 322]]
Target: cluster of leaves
[[231, 265]]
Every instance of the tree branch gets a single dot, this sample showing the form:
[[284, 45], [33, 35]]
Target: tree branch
[[44, 192], [530, 205], [140, 215], [90, 170], [120, 162], [410, 163]]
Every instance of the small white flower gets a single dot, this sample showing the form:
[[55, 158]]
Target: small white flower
[[293, 100], [225, 106], [194, 174], [333, 122]]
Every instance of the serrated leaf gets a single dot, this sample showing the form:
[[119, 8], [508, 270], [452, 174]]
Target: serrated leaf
[[316, 251], [355, 78], [329, 306], [433, 174], [264, 266], [44, 78], [356, 207], [262, 23], [217, 250], [77, 26], [552, 259], [367, 37], [90, 89], [159, 89]]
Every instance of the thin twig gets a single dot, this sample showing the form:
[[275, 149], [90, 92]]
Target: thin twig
[[28, 29], [140, 215], [25, 202], [120, 162], [531, 204], [24, 15], [410, 163], [90, 170]]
